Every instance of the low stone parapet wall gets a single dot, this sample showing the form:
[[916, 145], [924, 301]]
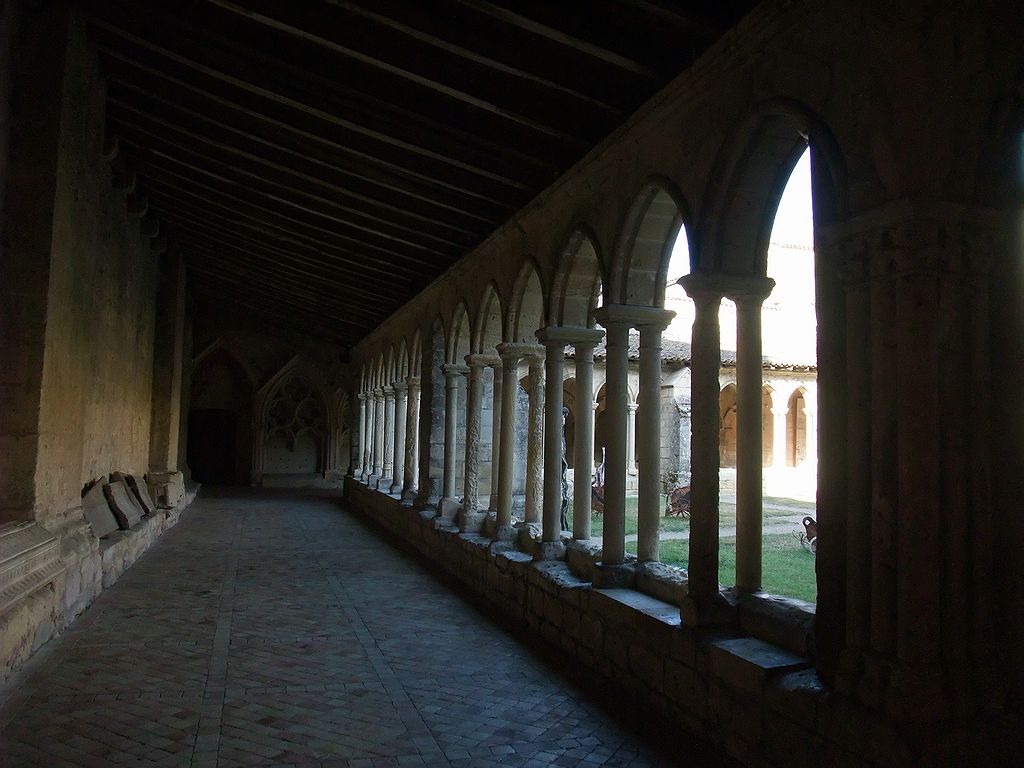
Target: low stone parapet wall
[[757, 701], [85, 566]]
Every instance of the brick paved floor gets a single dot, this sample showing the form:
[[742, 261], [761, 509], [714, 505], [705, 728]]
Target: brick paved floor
[[281, 630]]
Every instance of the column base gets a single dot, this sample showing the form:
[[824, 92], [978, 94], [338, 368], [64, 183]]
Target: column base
[[503, 533], [448, 508], [409, 496], [706, 611], [548, 550], [395, 489], [613, 576], [471, 522], [490, 524]]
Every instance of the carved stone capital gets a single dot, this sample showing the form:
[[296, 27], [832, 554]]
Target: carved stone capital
[[512, 352], [632, 316], [452, 371], [482, 360]]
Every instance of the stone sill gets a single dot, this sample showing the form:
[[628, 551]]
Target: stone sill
[[756, 698], [782, 621], [766, 638]]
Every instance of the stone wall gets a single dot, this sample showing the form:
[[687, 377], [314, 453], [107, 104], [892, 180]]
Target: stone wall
[[97, 367], [759, 701], [77, 328], [86, 350]]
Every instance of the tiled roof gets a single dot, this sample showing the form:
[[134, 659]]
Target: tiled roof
[[676, 352]]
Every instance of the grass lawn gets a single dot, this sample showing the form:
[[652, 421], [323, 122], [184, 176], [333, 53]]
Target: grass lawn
[[788, 569], [726, 515]]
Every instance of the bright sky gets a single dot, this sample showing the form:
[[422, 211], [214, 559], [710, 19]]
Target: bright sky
[[788, 320]]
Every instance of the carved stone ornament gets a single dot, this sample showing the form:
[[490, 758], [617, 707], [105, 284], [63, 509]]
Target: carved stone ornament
[[29, 560]]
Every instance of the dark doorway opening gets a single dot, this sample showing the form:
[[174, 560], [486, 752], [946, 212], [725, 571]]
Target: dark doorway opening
[[213, 445]]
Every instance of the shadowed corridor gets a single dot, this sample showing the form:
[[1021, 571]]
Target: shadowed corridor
[[281, 630]]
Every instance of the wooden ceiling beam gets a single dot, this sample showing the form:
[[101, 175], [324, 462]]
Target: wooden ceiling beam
[[280, 282], [244, 283], [479, 36], [448, 148], [310, 275], [358, 266], [425, 26], [160, 129], [273, 272], [190, 230], [597, 52], [400, 171], [354, 37], [294, 225], [220, 291], [160, 153], [262, 240]]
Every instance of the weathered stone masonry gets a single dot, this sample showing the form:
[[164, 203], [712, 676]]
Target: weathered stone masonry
[[89, 387], [913, 652]]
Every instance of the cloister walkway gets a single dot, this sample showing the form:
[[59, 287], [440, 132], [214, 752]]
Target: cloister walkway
[[273, 629]]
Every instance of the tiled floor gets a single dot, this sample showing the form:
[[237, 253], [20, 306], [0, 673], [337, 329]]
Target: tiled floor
[[280, 630]]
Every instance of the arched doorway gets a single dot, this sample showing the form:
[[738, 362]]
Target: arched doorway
[[219, 445]]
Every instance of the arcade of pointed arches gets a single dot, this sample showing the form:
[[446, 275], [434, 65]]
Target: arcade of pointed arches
[[503, 351]]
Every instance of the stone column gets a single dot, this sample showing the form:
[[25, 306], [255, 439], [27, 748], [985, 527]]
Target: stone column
[[360, 449], [649, 434], [401, 414], [371, 435], [584, 445], [703, 603], [429, 449], [631, 440], [554, 364], [583, 471], [378, 437], [412, 420], [449, 503], [506, 449], [749, 371], [617, 418], [779, 413], [417, 482], [811, 429], [497, 388], [370, 432], [168, 365], [469, 519], [389, 440], [535, 439]]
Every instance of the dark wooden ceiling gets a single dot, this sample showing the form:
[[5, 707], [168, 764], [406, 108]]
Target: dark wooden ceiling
[[321, 161]]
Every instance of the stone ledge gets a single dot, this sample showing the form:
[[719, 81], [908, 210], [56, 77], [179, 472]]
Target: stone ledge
[[627, 606], [582, 556], [782, 621], [747, 663], [88, 566], [664, 582], [710, 678]]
